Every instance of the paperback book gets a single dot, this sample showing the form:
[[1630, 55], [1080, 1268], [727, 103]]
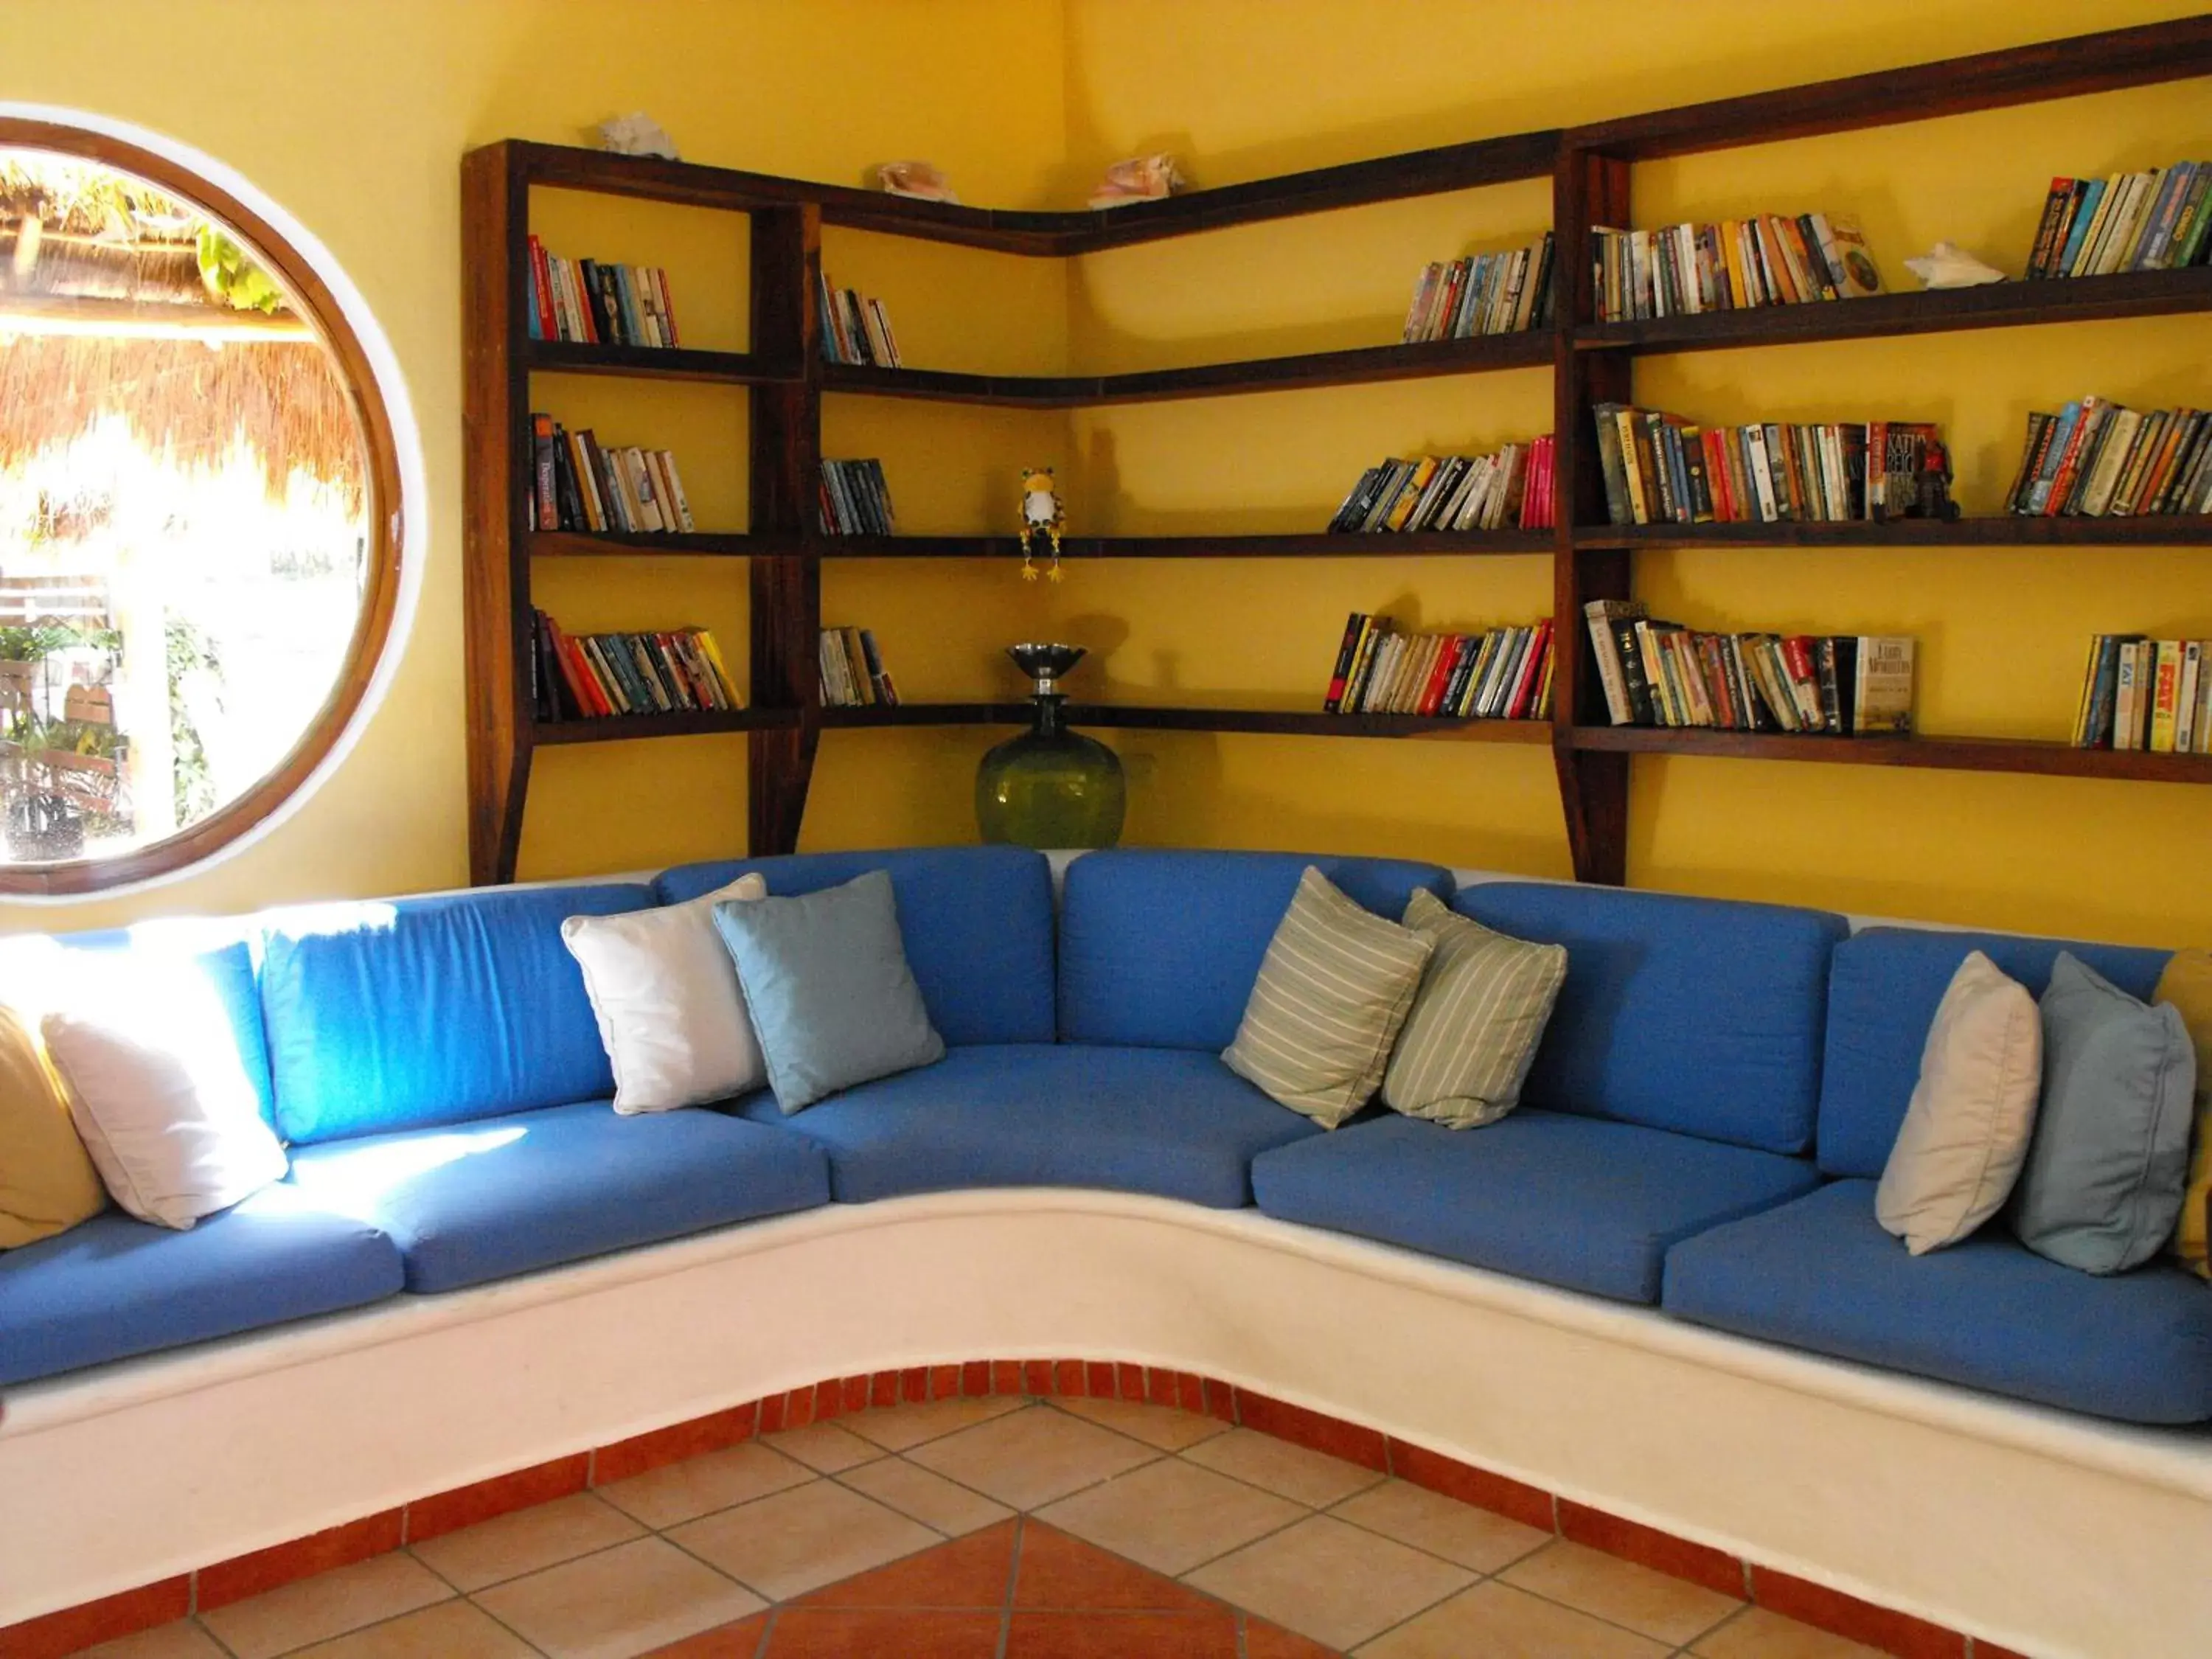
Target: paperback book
[[1661, 469], [2096, 458], [1768, 260], [1511, 488], [2157, 219], [591, 303], [856, 500], [1483, 294], [1656, 672], [595, 676], [853, 672], [854, 329], [577, 485], [1504, 673], [2145, 694]]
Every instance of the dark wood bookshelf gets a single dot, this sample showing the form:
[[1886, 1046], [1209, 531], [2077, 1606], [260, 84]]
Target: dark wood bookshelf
[[1592, 170], [1935, 311], [1284, 722], [656, 363], [2153, 530], [681, 723], [1955, 754], [1359, 365]]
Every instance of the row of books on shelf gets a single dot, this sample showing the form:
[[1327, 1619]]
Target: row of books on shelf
[[1660, 673], [2139, 693], [592, 303], [1483, 294], [1504, 673], [1768, 260], [854, 328], [2158, 219], [856, 500], [1661, 469], [2099, 459], [853, 672], [591, 676], [1513, 486], [577, 485]]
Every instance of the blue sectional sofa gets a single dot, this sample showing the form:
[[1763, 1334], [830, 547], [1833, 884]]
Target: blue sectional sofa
[[1712, 1103]]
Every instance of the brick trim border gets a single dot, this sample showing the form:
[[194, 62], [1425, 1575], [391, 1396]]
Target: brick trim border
[[55, 1635]]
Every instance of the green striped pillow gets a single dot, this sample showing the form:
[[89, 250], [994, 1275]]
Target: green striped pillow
[[1482, 1008], [1331, 995]]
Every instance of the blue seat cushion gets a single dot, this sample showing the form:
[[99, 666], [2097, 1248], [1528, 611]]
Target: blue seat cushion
[[114, 1286], [1571, 1200], [1882, 994], [407, 1013], [1176, 1124], [504, 1195], [976, 922], [1161, 948], [1699, 1015], [1821, 1273]]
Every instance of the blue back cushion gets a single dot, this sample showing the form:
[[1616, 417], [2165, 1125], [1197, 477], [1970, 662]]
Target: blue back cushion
[[1698, 1015], [401, 1014], [1881, 1000], [1159, 949], [976, 922], [232, 969]]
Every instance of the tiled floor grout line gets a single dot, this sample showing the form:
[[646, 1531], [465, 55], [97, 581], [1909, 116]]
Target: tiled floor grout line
[[469, 1596], [1013, 1578]]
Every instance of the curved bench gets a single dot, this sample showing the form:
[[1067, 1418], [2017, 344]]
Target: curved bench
[[1506, 1312]]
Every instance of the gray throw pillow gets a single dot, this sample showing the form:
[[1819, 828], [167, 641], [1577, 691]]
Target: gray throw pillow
[[2109, 1160], [1484, 1001], [826, 983]]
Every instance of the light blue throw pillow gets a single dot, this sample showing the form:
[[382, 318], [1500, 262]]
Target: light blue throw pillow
[[2110, 1161], [826, 979]]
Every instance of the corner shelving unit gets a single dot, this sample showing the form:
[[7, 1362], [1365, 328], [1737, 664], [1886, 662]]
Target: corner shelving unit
[[1591, 363]]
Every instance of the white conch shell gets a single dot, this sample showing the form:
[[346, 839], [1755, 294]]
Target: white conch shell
[[636, 134], [1139, 179], [1949, 265], [919, 179]]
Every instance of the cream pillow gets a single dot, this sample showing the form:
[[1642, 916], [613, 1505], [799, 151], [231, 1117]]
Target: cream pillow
[[146, 1052], [1332, 994], [48, 1183], [1967, 1131], [665, 993], [1484, 1002]]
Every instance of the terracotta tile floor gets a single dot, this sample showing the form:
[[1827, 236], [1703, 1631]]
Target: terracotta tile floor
[[996, 1530]]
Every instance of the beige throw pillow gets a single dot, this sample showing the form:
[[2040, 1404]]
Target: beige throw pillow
[[48, 1183], [669, 1009], [2187, 984], [1484, 1001], [1331, 996], [1967, 1131]]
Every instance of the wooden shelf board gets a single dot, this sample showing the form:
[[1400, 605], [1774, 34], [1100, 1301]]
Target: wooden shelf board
[[2141, 56], [1360, 365], [655, 363], [2169, 530], [1943, 753], [617, 728], [1447, 543], [1048, 233], [584, 543], [1277, 721], [1996, 305]]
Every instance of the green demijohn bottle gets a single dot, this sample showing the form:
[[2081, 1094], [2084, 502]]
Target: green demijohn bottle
[[1050, 787]]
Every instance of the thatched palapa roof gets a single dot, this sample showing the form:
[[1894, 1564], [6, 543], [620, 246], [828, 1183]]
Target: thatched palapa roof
[[104, 311]]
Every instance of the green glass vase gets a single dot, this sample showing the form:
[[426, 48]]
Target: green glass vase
[[1050, 787]]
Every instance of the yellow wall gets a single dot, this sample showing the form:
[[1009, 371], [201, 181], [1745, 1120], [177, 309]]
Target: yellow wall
[[353, 115]]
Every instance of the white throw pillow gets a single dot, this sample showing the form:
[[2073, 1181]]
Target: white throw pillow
[[158, 1091], [667, 999], [1965, 1132]]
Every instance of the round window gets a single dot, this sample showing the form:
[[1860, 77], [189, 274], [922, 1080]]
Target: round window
[[198, 497]]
